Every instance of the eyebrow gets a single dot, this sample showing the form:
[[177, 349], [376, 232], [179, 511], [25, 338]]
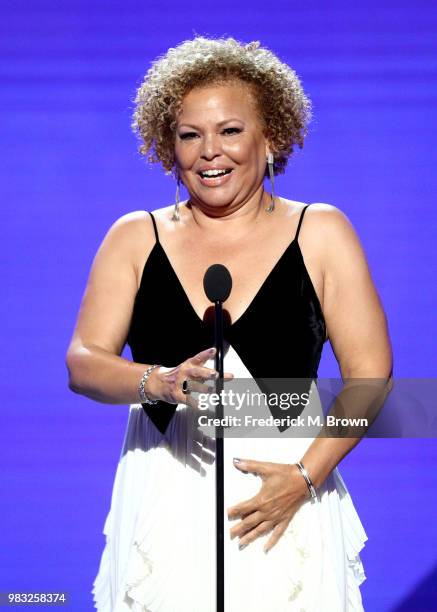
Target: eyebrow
[[219, 123]]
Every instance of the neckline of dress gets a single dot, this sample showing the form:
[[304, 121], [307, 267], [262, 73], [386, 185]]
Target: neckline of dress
[[252, 301]]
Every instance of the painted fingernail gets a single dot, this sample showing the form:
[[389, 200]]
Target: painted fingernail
[[241, 546], [266, 550], [236, 460]]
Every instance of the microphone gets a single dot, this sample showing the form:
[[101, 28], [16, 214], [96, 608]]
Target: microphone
[[217, 284]]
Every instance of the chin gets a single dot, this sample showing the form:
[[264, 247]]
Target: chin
[[216, 201]]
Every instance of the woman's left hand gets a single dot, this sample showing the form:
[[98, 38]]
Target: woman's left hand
[[282, 492]]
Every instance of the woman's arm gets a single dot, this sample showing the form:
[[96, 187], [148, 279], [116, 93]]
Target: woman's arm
[[357, 329], [93, 359], [356, 322]]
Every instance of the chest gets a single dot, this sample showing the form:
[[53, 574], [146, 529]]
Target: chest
[[252, 263]]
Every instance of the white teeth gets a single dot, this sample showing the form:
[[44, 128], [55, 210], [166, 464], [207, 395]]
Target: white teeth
[[213, 173]]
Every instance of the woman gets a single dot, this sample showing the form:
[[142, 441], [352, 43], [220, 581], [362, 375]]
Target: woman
[[222, 116]]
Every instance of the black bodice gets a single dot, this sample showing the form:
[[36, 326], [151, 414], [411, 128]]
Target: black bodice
[[280, 334]]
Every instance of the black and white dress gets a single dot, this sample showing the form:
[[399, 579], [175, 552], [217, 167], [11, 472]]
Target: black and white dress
[[160, 531]]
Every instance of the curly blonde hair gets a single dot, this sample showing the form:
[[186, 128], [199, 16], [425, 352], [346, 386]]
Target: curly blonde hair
[[282, 105]]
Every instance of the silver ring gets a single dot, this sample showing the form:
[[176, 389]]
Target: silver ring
[[185, 389]]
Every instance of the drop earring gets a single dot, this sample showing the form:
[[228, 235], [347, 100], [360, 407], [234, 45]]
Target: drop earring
[[270, 160], [176, 216]]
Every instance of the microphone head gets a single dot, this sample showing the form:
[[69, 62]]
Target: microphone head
[[217, 283]]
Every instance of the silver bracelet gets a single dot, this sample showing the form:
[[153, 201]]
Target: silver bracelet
[[141, 390], [307, 480]]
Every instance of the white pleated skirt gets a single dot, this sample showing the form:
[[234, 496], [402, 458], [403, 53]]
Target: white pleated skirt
[[160, 530]]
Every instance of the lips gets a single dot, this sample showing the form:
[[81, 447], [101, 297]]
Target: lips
[[216, 172], [215, 181]]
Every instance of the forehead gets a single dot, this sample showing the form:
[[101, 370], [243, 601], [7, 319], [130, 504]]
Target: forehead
[[219, 101]]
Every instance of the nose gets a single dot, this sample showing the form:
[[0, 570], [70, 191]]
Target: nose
[[211, 146]]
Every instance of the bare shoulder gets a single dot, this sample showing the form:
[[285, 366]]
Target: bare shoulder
[[319, 223], [130, 238], [316, 215], [106, 306], [136, 228], [133, 224], [328, 219], [321, 219], [324, 228], [335, 233]]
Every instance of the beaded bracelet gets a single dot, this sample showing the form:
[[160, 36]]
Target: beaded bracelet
[[307, 480], [141, 387]]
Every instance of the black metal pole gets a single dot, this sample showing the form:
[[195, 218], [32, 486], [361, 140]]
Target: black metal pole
[[220, 548]]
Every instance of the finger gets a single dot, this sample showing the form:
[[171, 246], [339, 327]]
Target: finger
[[249, 465], [246, 525], [277, 533], [188, 400], [243, 509], [197, 372], [261, 529], [195, 386], [203, 356]]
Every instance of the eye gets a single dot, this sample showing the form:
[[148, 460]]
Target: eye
[[232, 130], [187, 135], [190, 135]]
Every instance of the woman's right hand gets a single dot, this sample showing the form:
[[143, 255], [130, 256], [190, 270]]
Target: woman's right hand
[[165, 384]]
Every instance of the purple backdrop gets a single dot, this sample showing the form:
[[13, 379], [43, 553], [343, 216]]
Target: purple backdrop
[[70, 167]]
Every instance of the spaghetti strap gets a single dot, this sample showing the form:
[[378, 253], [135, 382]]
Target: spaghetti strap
[[300, 221], [154, 226]]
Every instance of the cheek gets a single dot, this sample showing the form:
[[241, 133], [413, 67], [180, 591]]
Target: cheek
[[242, 152], [248, 154], [185, 155]]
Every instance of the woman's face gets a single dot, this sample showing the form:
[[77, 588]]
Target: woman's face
[[219, 128]]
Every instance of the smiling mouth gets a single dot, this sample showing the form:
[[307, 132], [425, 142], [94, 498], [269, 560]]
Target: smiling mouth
[[217, 174]]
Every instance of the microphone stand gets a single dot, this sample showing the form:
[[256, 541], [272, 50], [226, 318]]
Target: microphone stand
[[217, 284], [219, 461]]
